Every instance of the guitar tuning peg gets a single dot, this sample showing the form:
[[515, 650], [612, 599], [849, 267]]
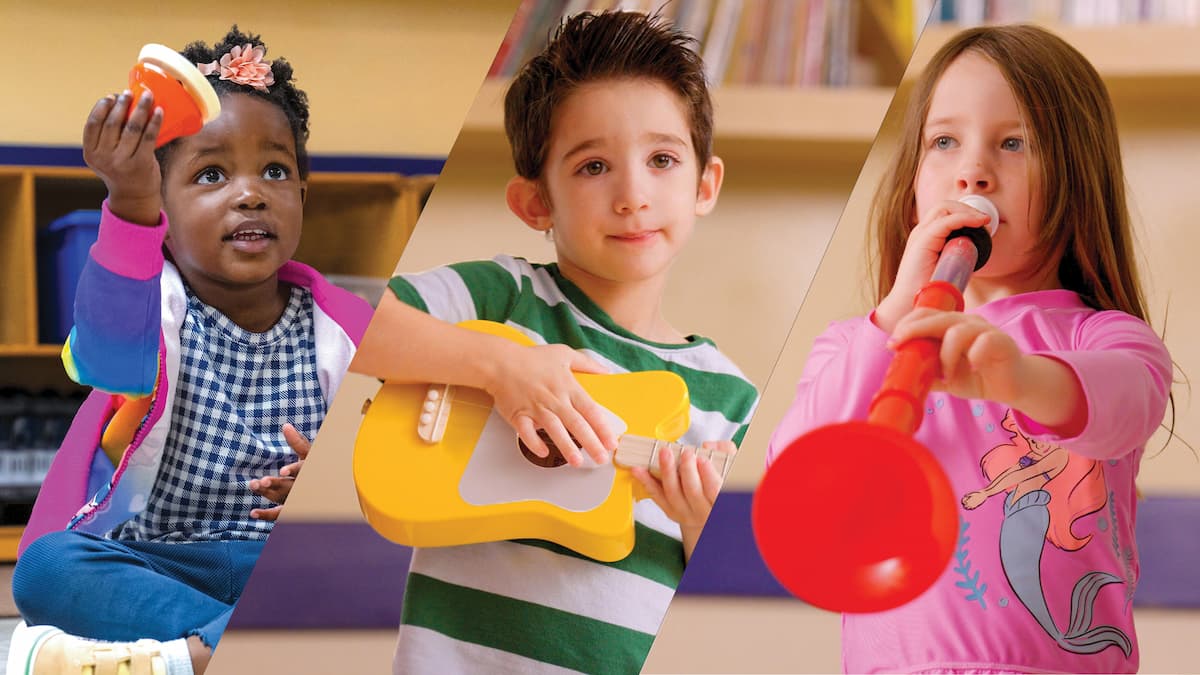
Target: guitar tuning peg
[[435, 409]]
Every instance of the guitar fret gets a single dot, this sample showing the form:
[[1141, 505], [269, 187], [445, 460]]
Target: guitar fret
[[643, 451]]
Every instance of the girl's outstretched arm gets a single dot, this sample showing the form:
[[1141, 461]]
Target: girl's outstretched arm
[[1102, 398]]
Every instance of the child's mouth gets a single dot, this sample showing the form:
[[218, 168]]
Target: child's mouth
[[636, 237], [250, 235], [250, 240]]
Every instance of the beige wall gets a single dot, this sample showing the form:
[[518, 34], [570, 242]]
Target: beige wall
[[392, 78]]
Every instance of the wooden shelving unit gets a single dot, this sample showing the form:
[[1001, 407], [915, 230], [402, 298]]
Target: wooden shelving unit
[[746, 113], [355, 224], [763, 121], [10, 537], [1136, 52], [766, 117]]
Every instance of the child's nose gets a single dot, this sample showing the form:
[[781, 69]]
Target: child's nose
[[975, 175], [631, 196], [250, 195]]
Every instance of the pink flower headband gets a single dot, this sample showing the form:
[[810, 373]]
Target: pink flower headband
[[243, 65]]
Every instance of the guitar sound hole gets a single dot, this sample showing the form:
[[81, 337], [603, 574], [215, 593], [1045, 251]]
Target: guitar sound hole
[[554, 460]]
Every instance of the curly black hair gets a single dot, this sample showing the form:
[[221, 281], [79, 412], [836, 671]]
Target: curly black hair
[[284, 94]]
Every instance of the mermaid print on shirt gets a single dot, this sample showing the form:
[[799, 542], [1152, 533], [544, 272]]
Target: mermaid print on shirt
[[1047, 489]]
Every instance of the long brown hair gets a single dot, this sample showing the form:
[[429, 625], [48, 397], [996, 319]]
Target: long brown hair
[[1069, 116]]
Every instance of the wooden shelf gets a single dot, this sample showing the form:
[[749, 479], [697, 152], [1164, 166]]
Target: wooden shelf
[[354, 224], [744, 113], [796, 117], [37, 351], [10, 538]]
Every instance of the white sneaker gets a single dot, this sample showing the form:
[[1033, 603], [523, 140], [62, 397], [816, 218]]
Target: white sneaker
[[46, 650]]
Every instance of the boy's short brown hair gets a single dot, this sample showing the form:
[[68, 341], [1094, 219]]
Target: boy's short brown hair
[[590, 47]]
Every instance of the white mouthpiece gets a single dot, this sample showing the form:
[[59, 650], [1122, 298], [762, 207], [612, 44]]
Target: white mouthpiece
[[981, 203]]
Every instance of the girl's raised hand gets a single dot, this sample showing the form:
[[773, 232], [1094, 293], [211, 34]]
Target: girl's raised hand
[[921, 251], [121, 152], [979, 361]]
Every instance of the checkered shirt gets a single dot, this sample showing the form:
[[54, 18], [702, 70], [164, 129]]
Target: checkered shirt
[[235, 391]]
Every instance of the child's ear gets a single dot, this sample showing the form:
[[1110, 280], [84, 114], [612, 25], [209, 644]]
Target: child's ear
[[710, 186], [525, 201], [303, 191]]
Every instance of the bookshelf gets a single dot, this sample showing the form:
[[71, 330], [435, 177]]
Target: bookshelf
[[753, 116], [1124, 53], [354, 224]]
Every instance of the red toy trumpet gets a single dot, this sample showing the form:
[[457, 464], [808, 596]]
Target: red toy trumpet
[[850, 555]]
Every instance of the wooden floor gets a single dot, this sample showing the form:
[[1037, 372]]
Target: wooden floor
[[1166, 639]]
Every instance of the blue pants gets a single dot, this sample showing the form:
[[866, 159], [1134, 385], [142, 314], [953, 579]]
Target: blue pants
[[123, 591]]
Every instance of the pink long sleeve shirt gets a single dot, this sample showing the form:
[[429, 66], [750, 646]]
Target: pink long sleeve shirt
[[1046, 562]]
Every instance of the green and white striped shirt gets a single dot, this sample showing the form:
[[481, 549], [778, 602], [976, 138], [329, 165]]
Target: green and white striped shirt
[[531, 606]]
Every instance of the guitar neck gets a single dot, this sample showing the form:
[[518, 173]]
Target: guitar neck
[[642, 451]]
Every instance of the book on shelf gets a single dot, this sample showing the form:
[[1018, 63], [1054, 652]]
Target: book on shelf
[[841, 30], [717, 42], [1064, 12], [509, 43]]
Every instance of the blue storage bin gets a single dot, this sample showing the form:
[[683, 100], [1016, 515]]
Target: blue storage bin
[[62, 251]]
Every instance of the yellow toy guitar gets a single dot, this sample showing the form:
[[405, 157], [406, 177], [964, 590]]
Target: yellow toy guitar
[[436, 466]]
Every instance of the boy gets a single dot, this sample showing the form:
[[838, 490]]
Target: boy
[[611, 129]]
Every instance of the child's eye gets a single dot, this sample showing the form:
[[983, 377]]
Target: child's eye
[[594, 168], [944, 143], [1013, 144], [662, 161], [210, 176], [275, 172]]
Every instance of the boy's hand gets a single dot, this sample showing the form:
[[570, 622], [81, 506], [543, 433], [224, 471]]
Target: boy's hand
[[121, 152], [978, 360], [533, 388], [277, 488], [686, 490]]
